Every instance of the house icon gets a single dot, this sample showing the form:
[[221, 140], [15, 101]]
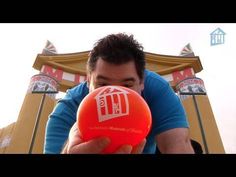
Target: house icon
[[217, 37], [112, 102]]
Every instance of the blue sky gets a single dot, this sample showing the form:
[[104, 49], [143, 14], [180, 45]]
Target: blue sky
[[20, 44]]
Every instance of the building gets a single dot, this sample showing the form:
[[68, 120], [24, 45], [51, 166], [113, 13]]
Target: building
[[68, 70]]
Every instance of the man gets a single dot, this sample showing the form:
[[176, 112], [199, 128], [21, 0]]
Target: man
[[118, 59]]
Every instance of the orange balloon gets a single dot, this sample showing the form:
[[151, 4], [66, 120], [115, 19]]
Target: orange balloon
[[116, 112]]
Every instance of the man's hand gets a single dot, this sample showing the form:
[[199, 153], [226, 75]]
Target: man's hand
[[95, 146]]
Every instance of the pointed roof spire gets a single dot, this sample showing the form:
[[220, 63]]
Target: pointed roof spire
[[187, 51], [49, 49]]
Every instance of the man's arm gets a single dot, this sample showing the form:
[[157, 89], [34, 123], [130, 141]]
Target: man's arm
[[170, 125], [59, 124], [175, 141], [62, 119]]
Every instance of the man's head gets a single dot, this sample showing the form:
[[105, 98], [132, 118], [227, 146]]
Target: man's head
[[116, 59]]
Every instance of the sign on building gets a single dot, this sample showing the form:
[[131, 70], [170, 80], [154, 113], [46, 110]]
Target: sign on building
[[61, 75], [42, 83], [190, 86]]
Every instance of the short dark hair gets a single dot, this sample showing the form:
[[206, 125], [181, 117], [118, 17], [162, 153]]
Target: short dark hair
[[118, 49]]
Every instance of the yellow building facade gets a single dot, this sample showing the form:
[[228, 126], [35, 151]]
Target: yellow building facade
[[68, 70]]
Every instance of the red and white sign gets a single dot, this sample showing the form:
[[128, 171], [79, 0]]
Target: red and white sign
[[191, 85], [43, 83], [177, 76], [60, 75]]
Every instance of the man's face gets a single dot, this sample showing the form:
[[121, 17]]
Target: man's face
[[111, 74]]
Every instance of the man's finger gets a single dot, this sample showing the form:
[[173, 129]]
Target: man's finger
[[139, 148], [125, 149], [94, 146]]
